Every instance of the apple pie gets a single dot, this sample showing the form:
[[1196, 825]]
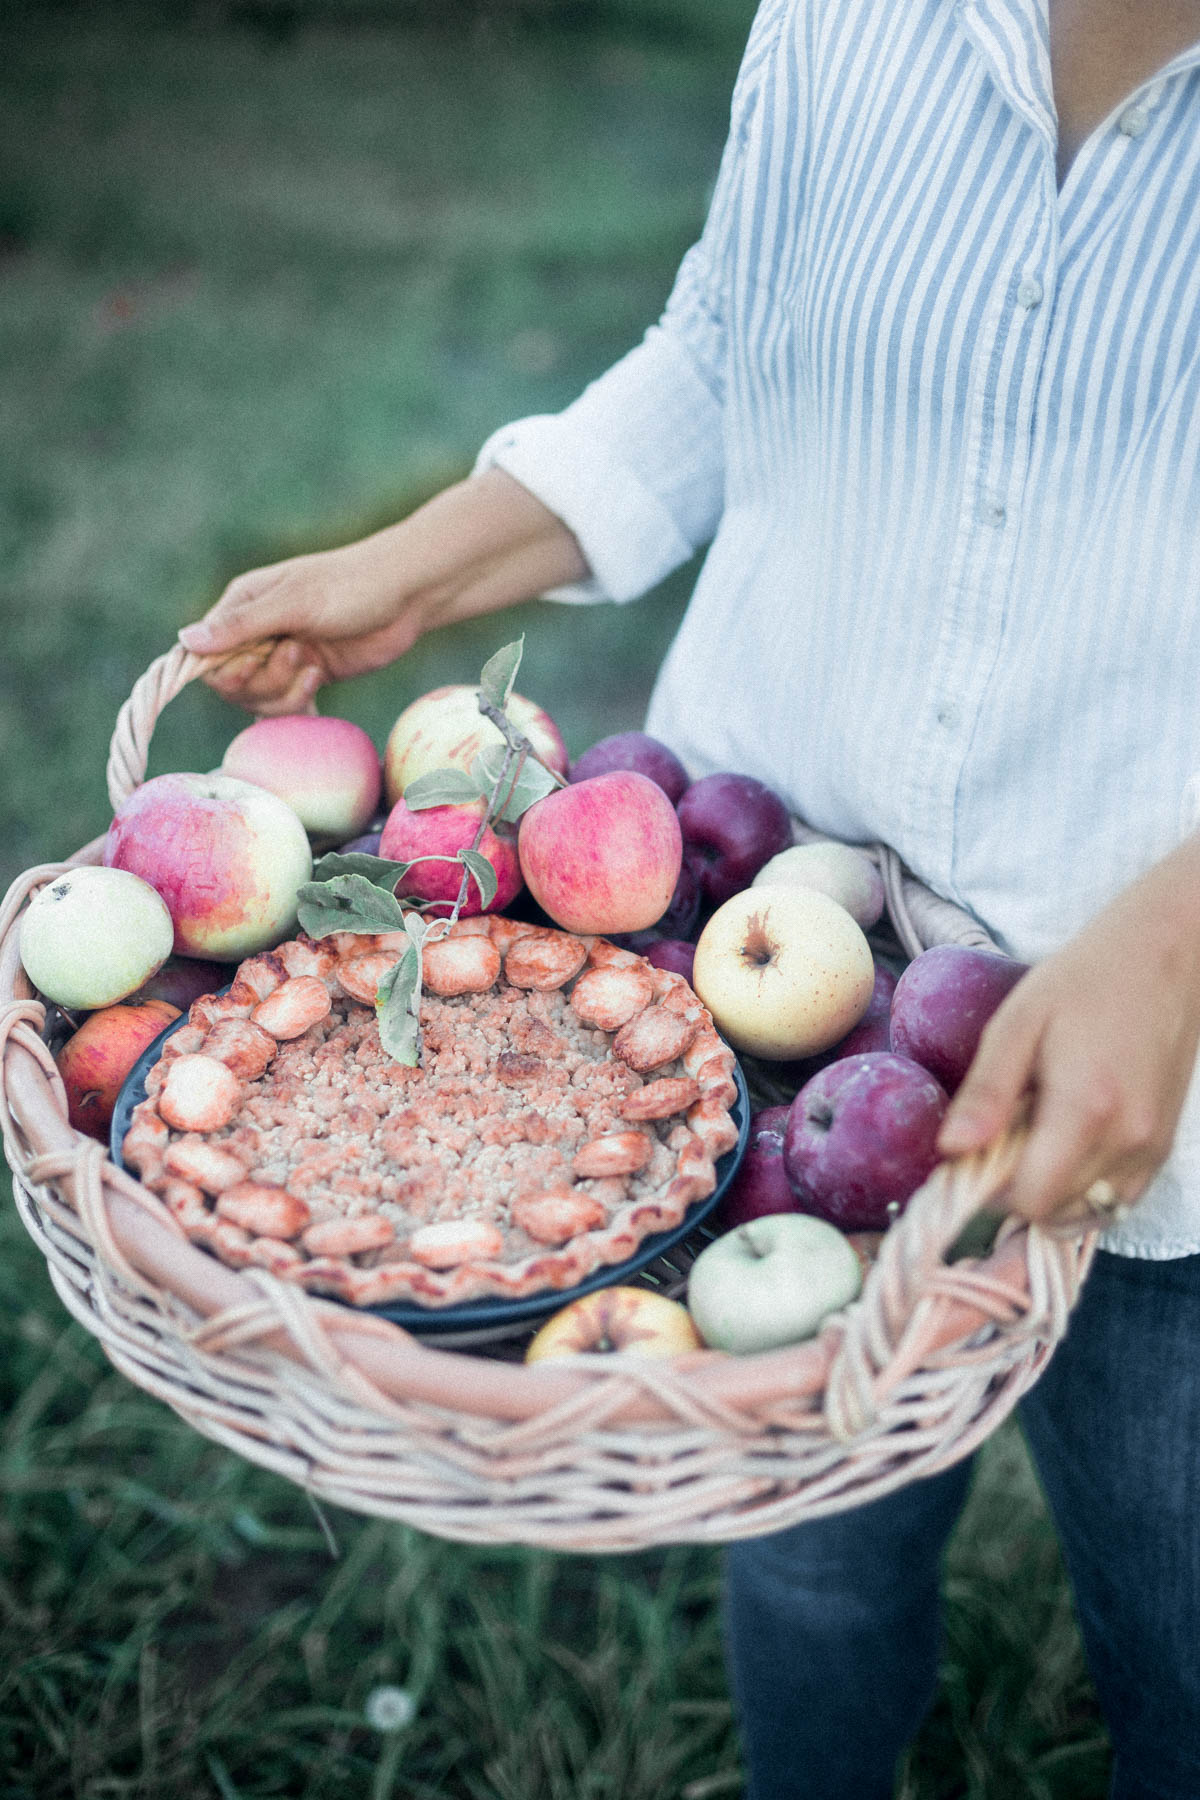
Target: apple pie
[[571, 1100]]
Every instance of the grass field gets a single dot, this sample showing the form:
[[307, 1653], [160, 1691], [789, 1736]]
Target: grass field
[[269, 272]]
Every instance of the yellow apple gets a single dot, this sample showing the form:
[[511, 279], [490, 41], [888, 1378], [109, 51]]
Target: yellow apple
[[785, 971], [636, 1320]]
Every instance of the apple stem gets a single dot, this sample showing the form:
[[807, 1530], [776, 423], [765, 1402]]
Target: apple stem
[[497, 801], [515, 739], [517, 749], [750, 1241]]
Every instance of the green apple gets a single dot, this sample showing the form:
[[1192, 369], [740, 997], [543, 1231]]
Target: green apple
[[771, 1282], [93, 936]]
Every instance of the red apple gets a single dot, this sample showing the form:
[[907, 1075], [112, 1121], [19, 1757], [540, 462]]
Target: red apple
[[602, 855], [861, 1138], [96, 1059], [942, 1002], [227, 857], [326, 769], [676, 954], [736, 824], [444, 831], [445, 729], [634, 750], [760, 1185]]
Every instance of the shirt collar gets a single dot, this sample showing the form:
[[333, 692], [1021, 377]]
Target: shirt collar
[[1013, 37]]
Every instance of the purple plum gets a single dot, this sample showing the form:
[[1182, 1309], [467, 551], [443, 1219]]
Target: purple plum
[[181, 980], [942, 1002], [634, 750], [861, 1137], [735, 824], [873, 1032], [760, 1185], [683, 914], [676, 954], [367, 844]]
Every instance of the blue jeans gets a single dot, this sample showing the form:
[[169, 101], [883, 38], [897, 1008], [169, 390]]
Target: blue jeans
[[832, 1626]]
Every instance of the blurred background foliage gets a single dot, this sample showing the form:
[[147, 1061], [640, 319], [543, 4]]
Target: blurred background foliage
[[270, 271]]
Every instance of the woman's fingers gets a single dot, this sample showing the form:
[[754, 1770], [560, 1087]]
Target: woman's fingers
[[248, 609], [1098, 1073], [998, 1081], [268, 694], [1070, 1145], [270, 677], [257, 615]]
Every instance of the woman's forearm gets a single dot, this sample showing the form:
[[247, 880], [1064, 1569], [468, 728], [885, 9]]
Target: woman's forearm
[[481, 545]]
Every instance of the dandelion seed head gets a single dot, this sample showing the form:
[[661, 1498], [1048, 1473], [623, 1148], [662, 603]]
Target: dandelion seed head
[[389, 1708]]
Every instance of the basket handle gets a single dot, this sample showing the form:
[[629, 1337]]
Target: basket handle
[[917, 1306], [167, 676]]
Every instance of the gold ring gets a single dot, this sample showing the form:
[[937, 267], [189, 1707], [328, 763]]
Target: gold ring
[[1103, 1198]]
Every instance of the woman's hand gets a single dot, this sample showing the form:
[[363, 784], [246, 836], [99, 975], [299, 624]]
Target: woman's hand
[[1098, 1042], [482, 545]]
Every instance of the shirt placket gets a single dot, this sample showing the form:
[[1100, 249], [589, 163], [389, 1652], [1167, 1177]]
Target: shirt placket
[[997, 444]]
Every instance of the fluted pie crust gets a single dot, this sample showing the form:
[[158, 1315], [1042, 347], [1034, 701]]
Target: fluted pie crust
[[571, 1100]]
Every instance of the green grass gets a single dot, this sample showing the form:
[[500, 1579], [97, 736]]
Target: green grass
[[259, 296], [269, 272]]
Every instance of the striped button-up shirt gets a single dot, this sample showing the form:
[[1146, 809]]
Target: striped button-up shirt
[[941, 423]]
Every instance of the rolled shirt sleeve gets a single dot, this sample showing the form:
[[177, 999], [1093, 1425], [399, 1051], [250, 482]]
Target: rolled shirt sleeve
[[636, 466]]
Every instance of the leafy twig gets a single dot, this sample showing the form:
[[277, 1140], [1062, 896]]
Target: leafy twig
[[356, 892]]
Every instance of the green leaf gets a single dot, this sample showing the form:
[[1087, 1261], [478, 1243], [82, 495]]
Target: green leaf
[[441, 787], [418, 928], [532, 784], [398, 1008], [375, 868], [499, 673], [482, 874], [347, 903]]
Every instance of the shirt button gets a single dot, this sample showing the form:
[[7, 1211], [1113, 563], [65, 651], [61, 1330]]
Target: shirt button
[[947, 717], [990, 512], [1133, 122], [1030, 292]]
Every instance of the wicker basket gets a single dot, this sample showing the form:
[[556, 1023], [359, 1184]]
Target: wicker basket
[[589, 1453]]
